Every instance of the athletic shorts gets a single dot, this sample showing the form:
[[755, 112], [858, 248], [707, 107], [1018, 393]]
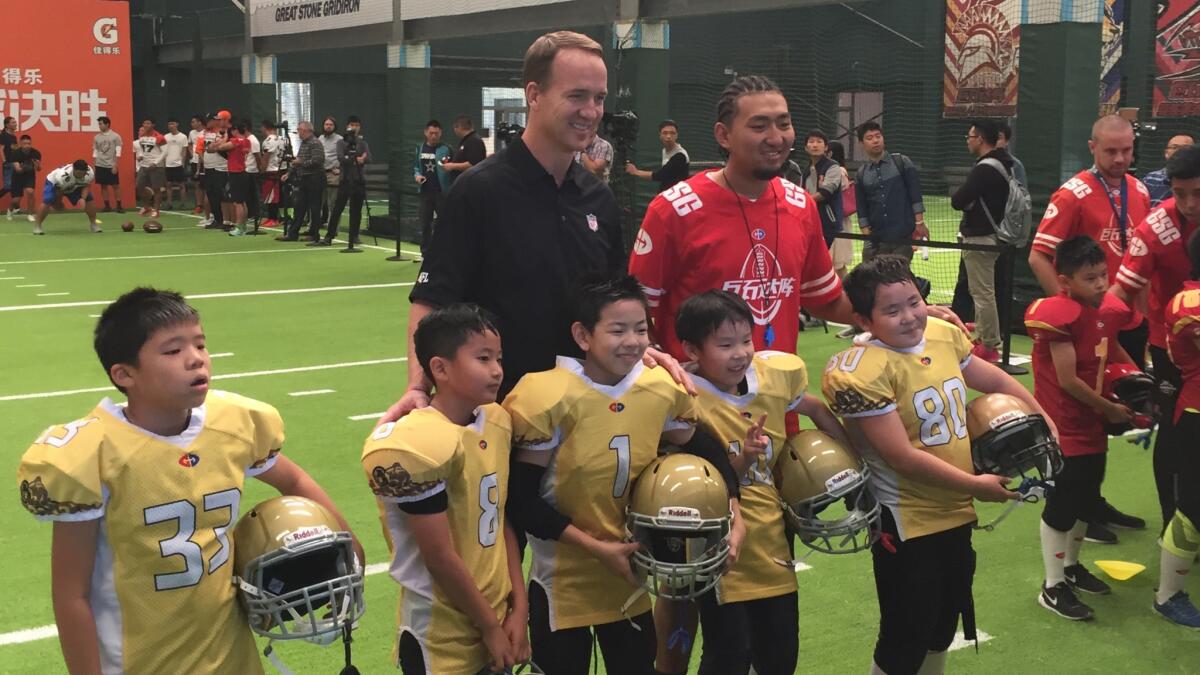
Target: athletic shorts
[[842, 252], [239, 187], [269, 188], [51, 195], [154, 177], [105, 176], [175, 174], [22, 180]]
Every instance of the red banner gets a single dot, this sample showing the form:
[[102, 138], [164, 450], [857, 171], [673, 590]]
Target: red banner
[[57, 81], [1177, 59], [982, 42]]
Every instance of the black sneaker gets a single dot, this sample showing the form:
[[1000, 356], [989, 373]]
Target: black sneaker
[[1114, 518], [107, 209], [319, 242], [119, 208], [1099, 534], [1061, 600], [1084, 581]]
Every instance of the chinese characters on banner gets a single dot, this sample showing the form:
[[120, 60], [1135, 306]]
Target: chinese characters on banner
[[1177, 59], [1112, 38], [982, 45], [57, 95]]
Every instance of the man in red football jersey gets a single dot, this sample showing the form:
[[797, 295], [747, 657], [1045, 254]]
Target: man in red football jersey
[[1105, 203], [1153, 271]]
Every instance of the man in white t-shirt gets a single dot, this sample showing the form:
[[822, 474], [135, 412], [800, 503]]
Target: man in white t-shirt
[[71, 182], [196, 170], [174, 156], [149, 149], [252, 170], [272, 150]]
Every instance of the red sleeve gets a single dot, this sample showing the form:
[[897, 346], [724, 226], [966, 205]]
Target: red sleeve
[[159, 139], [819, 284], [652, 259], [1138, 264], [1061, 217], [1050, 319]]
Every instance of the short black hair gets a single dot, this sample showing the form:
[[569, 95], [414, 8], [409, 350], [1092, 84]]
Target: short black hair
[[1184, 164], [79, 165], [1077, 252], [242, 126], [463, 122], [433, 123], [816, 133], [667, 123], [172, 119], [1193, 251], [198, 117], [444, 330], [988, 130], [704, 313], [104, 118], [594, 292], [866, 278], [268, 124], [837, 152], [1006, 129], [25, 137], [127, 323], [866, 127], [353, 119]]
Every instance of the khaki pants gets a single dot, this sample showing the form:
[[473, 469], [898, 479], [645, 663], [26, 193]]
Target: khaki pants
[[981, 281]]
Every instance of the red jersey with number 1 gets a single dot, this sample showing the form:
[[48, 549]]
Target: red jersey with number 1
[[1081, 207], [1183, 341], [696, 238], [1157, 259], [1091, 330]]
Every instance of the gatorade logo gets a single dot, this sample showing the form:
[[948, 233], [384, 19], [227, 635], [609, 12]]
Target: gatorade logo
[[105, 30]]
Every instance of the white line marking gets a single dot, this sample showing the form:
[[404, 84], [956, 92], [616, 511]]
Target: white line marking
[[220, 355], [311, 392], [17, 637], [93, 316], [10, 278], [151, 257], [46, 295], [960, 643], [228, 376], [29, 285], [206, 296], [368, 416]]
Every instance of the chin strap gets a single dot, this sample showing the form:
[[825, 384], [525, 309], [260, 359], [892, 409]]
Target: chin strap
[[629, 603], [1030, 491]]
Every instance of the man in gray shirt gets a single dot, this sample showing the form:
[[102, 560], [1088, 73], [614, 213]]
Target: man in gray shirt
[[307, 179], [332, 145], [106, 153]]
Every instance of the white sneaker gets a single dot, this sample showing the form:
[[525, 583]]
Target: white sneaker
[[31, 218], [8, 214], [37, 229], [96, 228]]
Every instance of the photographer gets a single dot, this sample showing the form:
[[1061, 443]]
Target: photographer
[[307, 176], [353, 154]]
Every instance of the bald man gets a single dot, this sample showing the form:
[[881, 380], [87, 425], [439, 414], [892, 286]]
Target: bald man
[[1105, 203], [1156, 181]]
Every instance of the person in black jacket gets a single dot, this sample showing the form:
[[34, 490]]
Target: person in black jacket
[[823, 180], [675, 161], [981, 199]]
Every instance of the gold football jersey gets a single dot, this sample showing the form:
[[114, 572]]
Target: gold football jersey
[[924, 385], [775, 384], [162, 589], [602, 437], [413, 459]]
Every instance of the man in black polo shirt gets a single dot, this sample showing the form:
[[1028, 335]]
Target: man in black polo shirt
[[470, 149]]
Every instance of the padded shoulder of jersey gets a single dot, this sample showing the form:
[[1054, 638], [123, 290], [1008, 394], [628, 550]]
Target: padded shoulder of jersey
[[538, 402], [246, 418], [790, 368], [1183, 305], [858, 381], [495, 415], [1055, 314], [59, 475], [409, 457]]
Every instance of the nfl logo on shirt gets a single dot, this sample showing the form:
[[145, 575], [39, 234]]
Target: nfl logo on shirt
[[593, 224]]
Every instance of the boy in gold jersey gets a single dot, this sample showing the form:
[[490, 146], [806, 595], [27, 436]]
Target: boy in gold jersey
[[751, 617], [142, 494], [441, 477], [583, 432], [902, 390]]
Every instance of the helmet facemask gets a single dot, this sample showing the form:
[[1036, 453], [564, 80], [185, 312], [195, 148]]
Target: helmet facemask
[[845, 519], [1021, 447], [1139, 393], [681, 555]]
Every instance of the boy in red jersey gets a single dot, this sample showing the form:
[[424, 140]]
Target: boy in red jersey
[[1074, 337]]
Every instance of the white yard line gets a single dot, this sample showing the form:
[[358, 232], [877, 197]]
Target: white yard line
[[311, 392], [220, 355], [208, 296], [227, 376], [29, 286], [11, 278], [47, 295], [147, 257], [368, 416], [17, 637]]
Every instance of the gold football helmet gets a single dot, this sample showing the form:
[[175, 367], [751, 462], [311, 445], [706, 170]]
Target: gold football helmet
[[298, 575], [814, 473], [1009, 439], [679, 513]]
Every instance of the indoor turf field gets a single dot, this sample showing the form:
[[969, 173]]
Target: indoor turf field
[[320, 335]]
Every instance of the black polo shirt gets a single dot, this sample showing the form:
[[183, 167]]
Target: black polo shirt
[[514, 242], [470, 149]]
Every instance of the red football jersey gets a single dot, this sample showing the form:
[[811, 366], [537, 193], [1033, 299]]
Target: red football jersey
[[1157, 258], [1080, 207], [237, 155], [1060, 319], [694, 239], [1183, 324]]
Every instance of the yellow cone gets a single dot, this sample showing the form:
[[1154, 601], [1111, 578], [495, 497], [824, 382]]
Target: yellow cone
[[1119, 569]]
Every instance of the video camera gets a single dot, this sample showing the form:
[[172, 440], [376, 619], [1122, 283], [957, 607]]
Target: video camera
[[507, 133], [621, 127], [286, 157]]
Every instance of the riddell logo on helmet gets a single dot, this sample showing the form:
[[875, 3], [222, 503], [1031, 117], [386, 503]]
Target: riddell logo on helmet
[[678, 512], [1006, 417], [841, 479], [305, 533]]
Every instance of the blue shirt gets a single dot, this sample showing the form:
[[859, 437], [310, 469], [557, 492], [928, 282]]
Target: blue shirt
[[1158, 185], [888, 193]]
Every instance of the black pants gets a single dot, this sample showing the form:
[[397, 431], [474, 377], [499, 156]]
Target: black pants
[[626, 648], [252, 198], [306, 201], [214, 188], [1170, 444], [1187, 492], [1076, 494], [354, 193], [1134, 340], [923, 586], [431, 209], [763, 633]]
